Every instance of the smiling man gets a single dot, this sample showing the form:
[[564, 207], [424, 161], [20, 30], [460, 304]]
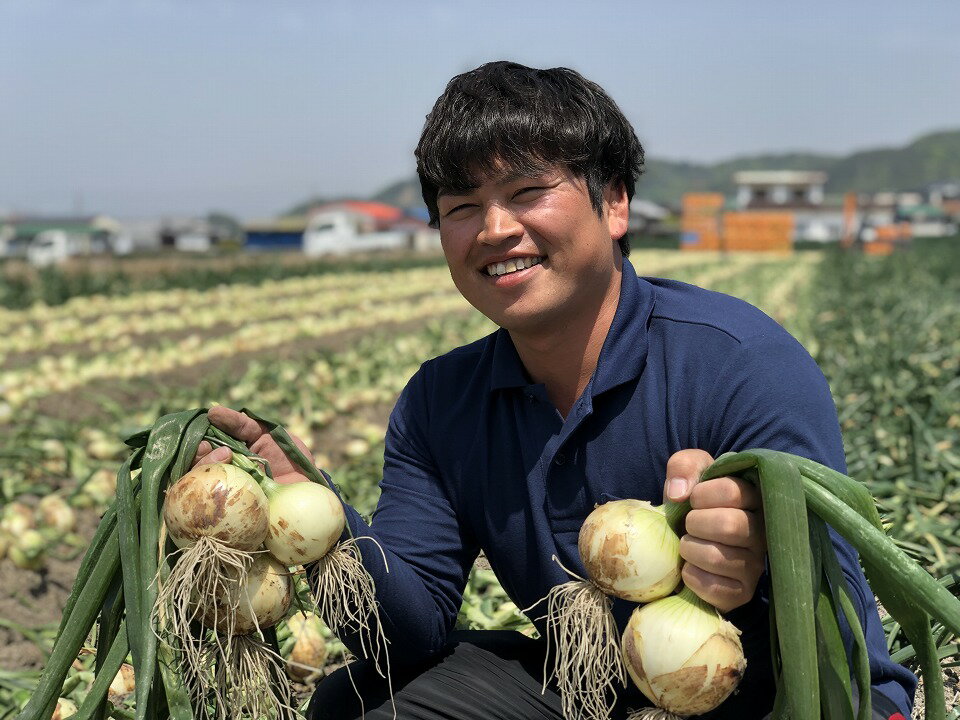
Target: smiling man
[[598, 385]]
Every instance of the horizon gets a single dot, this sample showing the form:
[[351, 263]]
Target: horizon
[[157, 107]]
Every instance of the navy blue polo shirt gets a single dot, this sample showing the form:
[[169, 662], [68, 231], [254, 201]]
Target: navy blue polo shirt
[[477, 458]]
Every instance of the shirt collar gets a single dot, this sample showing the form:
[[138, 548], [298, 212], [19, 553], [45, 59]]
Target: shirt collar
[[624, 350]]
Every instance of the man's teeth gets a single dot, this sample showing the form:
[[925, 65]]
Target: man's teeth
[[502, 268]]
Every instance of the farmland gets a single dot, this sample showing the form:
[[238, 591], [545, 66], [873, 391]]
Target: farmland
[[326, 352]]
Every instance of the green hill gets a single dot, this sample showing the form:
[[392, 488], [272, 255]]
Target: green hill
[[931, 158]]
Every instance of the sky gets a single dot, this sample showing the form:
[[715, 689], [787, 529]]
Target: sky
[[144, 108]]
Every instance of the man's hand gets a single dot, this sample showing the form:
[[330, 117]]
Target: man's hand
[[256, 437], [724, 545]]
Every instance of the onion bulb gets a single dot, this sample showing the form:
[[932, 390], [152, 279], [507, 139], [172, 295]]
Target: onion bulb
[[65, 709], [306, 520], [630, 550], [261, 602], [28, 551], [682, 654], [17, 519], [309, 650], [53, 512], [218, 501], [123, 685]]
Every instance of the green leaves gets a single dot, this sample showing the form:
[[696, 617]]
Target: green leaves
[[907, 591]]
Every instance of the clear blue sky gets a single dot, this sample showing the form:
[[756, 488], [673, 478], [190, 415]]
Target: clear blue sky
[[145, 107]]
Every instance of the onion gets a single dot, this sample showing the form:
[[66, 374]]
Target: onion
[[306, 520], [217, 501], [682, 654], [261, 603], [53, 512], [310, 650], [122, 686], [630, 550], [17, 519], [27, 551], [65, 708]]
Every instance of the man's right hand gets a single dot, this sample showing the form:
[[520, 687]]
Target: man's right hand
[[257, 438]]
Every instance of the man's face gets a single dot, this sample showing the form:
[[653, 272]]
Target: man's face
[[564, 256]]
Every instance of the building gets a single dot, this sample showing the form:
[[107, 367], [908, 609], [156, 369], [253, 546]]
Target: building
[[45, 240], [284, 233], [798, 192]]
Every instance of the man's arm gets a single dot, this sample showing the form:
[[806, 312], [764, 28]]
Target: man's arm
[[771, 394]]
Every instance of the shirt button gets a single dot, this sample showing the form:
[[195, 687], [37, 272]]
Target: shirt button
[[560, 459]]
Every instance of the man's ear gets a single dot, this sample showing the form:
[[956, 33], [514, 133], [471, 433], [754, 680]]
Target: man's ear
[[618, 209]]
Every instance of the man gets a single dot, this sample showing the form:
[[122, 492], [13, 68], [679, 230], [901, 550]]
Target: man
[[599, 385]]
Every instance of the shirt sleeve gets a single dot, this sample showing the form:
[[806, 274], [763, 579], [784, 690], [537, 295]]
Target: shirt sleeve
[[771, 394], [424, 555]]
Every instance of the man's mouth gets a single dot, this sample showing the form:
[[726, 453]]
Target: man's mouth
[[513, 265]]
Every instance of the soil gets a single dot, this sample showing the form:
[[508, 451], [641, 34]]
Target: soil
[[35, 600]]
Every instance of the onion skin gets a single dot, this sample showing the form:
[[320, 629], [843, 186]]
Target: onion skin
[[219, 501], [630, 551], [686, 660], [306, 520], [264, 599]]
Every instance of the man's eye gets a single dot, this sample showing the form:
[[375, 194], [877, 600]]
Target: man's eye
[[454, 209], [529, 190]]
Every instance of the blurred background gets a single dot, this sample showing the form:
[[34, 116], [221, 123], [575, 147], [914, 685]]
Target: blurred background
[[216, 201]]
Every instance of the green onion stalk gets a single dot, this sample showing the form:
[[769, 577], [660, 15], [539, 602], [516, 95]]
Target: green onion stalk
[[179, 584]]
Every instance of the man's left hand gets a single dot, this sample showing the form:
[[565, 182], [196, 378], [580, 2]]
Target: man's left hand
[[724, 545]]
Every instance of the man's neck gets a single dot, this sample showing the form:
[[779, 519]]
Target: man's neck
[[564, 358]]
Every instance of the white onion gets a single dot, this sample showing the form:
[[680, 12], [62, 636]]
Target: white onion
[[218, 501], [261, 603], [682, 654], [306, 520], [309, 651], [630, 550], [53, 512]]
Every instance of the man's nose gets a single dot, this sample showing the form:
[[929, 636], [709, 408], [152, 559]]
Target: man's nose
[[499, 224]]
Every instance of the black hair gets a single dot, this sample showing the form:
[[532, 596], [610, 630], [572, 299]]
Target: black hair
[[506, 115]]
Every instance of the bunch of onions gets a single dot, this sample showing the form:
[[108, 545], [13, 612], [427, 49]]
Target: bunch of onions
[[240, 532], [631, 550], [217, 516]]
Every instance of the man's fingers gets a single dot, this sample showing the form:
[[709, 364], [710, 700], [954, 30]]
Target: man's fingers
[[723, 593], [202, 449], [728, 526], [725, 492], [724, 560], [236, 424], [683, 472], [217, 455]]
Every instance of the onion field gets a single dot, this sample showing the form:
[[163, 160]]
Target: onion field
[[326, 352]]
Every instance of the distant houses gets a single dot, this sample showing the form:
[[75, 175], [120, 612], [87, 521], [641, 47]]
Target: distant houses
[[327, 229], [46, 240], [772, 210], [768, 210], [343, 228]]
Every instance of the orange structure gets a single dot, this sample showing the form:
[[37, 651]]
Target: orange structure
[[700, 221], [758, 231], [849, 219]]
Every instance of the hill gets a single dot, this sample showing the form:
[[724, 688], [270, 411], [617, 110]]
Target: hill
[[930, 158]]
